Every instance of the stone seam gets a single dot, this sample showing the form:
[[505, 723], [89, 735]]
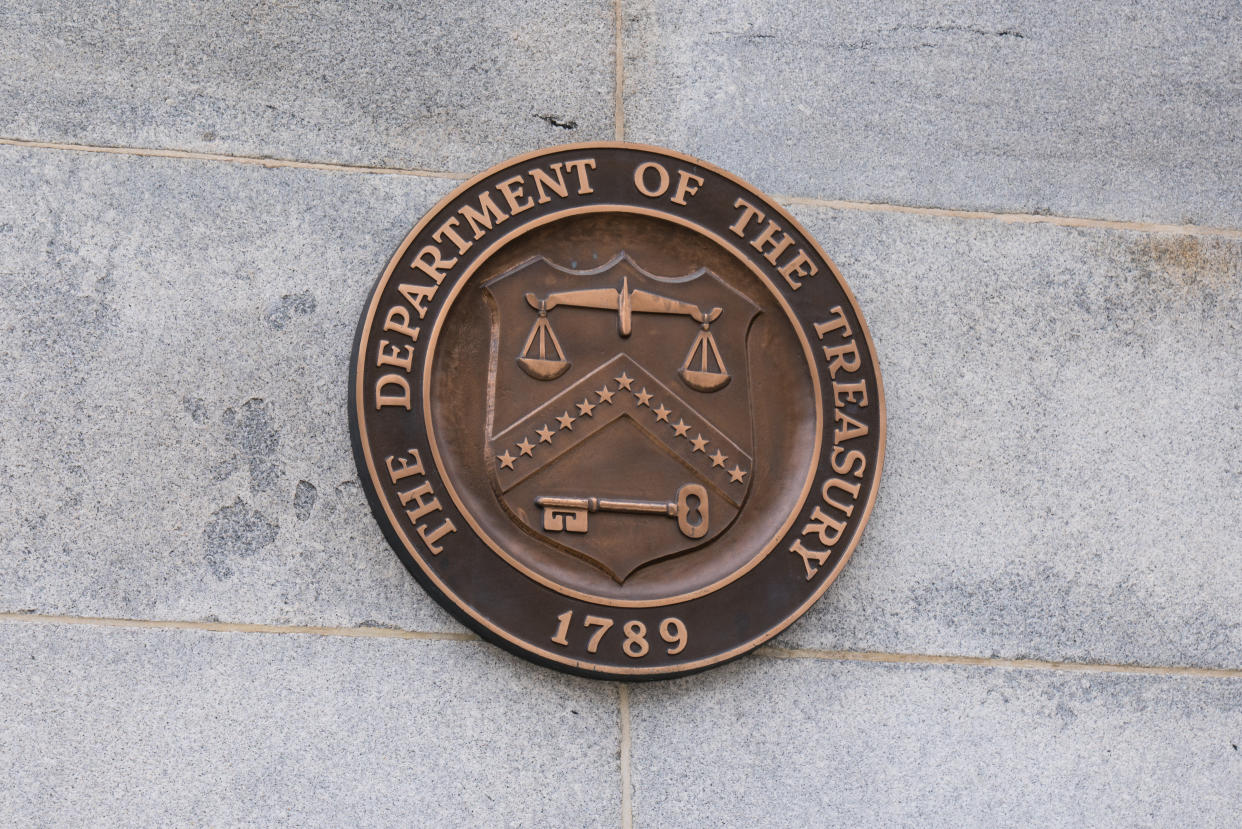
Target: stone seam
[[834, 204], [769, 651], [627, 786], [619, 73], [270, 163]]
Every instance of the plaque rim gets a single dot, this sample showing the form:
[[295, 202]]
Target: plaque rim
[[430, 580]]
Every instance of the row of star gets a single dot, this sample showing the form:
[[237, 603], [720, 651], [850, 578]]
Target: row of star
[[681, 428], [585, 409]]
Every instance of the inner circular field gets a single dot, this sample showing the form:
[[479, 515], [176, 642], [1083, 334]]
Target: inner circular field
[[779, 403]]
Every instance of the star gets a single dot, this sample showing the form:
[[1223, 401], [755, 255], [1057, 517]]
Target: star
[[586, 407], [566, 421], [680, 428], [662, 413], [605, 396], [506, 460], [718, 459], [644, 399], [545, 434], [624, 381], [700, 445], [736, 474], [527, 447]]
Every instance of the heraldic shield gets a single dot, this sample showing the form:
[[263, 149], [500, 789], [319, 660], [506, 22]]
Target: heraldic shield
[[619, 413]]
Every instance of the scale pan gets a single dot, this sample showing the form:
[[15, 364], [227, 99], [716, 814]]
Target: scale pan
[[547, 369], [704, 380]]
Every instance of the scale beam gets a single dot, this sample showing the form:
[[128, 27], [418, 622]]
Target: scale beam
[[625, 302], [703, 370]]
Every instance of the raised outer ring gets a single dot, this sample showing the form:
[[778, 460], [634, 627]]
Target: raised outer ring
[[502, 636], [433, 341]]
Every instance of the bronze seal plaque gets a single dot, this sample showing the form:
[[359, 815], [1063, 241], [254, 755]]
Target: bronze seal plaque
[[617, 411]]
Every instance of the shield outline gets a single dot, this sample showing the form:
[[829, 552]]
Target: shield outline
[[499, 489]]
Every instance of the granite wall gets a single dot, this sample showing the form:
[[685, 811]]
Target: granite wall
[[1039, 207]]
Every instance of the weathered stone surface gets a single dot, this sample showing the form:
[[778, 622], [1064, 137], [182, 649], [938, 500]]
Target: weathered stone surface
[[112, 727], [1117, 110], [176, 338], [1063, 476], [428, 85], [799, 742], [1061, 480]]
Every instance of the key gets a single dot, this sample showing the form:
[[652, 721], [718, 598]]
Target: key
[[570, 514]]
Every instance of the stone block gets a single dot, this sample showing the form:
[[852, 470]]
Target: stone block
[[1062, 478], [112, 727], [176, 336], [435, 86], [1113, 110], [771, 743]]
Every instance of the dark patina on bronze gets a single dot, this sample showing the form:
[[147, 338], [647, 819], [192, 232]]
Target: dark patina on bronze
[[617, 411]]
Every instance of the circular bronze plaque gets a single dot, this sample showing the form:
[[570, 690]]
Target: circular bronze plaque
[[617, 411]]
